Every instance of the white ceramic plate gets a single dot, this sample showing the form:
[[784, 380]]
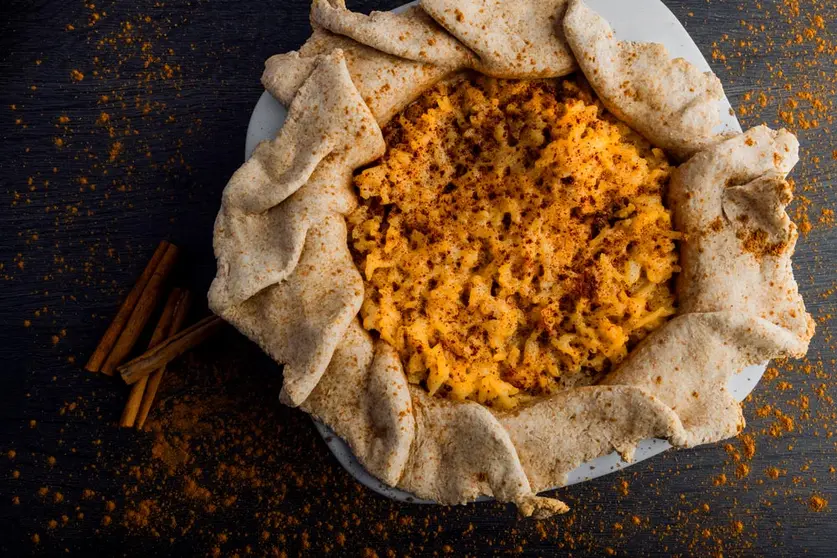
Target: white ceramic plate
[[638, 20]]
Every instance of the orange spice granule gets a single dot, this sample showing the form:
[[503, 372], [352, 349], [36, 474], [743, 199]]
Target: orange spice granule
[[193, 491], [748, 444], [770, 374], [817, 503], [140, 515], [623, 487], [75, 75], [732, 452], [115, 150]]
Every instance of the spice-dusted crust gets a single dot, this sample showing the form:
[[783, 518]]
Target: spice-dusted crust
[[513, 240], [286, 278], [669, 101], [520, 39]]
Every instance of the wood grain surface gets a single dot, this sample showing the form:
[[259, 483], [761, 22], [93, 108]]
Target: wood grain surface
[[121, 121]]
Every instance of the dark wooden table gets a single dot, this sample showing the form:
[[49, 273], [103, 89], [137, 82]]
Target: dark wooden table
[[120, 123]]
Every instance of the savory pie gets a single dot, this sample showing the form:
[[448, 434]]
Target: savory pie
[[480, 271]]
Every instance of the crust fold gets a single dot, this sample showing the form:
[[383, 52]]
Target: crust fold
[[285, 276], [730, 201], [363, 396], [386, 83], [592, 421], [411, 34], [520, 39], [669, 101]]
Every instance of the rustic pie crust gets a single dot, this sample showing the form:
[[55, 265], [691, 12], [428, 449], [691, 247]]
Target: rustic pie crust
[[295, 245]]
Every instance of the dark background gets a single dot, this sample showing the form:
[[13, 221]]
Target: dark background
[[149, 136]]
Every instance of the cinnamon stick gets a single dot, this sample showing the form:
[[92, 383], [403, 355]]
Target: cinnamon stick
[[169, 350], [115, 328], [142, 311], [161, 331], [153, 380]]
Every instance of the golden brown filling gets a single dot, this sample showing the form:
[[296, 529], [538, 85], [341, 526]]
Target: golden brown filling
[[513, 240]]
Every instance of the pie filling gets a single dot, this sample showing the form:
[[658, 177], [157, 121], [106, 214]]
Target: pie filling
[[513, 240]]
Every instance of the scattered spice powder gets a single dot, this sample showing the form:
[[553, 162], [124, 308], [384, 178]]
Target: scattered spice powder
[[219, 441]]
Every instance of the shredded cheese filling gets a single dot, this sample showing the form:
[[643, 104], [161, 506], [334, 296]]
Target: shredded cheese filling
[[513, 240]]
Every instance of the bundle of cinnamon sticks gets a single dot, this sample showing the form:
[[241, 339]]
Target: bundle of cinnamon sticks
[[168, 342]]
